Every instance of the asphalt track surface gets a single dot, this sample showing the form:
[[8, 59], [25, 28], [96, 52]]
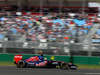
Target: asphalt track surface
[[13, 70]]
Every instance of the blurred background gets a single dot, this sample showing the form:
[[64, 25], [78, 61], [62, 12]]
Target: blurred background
[[50, 27]]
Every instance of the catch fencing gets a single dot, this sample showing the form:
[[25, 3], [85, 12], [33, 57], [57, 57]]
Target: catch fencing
[[50, 48]]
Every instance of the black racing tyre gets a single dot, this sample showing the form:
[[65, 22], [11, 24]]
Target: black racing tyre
[[21, 64], [63, 65]]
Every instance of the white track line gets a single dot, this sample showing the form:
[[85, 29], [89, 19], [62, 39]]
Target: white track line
[[92, 73]]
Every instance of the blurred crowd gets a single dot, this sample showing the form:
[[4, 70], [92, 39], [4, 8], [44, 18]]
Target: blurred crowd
[[53, 27]]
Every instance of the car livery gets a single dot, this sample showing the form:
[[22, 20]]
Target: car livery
[[38, 61]]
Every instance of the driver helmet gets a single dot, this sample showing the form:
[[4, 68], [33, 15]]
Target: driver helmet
[[45, 58]]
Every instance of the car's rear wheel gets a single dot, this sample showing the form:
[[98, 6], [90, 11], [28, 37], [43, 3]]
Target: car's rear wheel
[[21, 64], [63, 65]]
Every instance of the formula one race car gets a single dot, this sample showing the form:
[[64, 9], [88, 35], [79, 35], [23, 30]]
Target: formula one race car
[[39, 61]]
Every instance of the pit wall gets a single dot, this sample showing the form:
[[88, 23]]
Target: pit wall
[[75, 59]]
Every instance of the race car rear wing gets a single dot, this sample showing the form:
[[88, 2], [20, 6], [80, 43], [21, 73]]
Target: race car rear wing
[[17, 58]]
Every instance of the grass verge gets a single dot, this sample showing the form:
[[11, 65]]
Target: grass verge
[[8, 63], [80, 66], [84, 66]]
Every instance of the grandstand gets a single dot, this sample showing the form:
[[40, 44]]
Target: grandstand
[[29, 26]]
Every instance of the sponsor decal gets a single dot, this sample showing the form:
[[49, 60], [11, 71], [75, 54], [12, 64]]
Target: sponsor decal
[[55, 63], [17, 56], [42, 63], [31, 63], [52, 57], [33, 59], [73, 66]]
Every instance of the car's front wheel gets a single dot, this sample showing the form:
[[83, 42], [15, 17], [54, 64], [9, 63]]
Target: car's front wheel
[[21, 64]]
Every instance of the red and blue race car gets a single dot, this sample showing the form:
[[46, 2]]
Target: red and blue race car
[[39, 61]]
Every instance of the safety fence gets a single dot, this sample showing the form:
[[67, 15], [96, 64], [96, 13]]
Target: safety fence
[[50, 48]]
